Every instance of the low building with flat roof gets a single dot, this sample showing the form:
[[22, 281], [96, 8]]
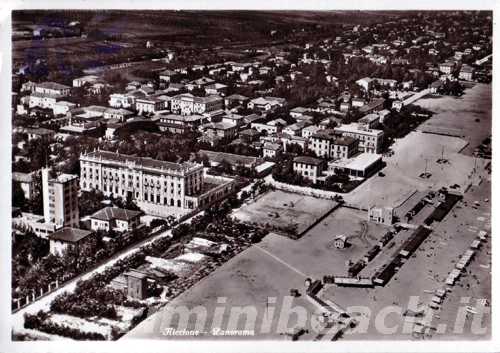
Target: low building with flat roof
[[361, 166]]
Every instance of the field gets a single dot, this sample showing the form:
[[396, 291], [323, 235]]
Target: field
[[283, 210], [166, 29]]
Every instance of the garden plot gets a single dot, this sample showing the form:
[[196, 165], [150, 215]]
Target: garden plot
[[181, 265], [81, 324], [126, 316]]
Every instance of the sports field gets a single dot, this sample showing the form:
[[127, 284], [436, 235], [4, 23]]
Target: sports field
[[283, 209]]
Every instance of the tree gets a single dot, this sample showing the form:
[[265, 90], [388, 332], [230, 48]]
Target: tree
[[35, 203], [90, 202], [18, 198], [224, 167]]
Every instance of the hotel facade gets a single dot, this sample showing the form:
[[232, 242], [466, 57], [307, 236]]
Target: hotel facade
[[159, 188]]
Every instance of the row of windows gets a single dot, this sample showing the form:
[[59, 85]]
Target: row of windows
[[304, 166], [114, 174]]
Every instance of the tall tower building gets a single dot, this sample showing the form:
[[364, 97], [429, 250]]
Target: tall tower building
[[60, 198]]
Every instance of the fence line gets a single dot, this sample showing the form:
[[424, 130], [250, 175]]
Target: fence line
[[303, 190]]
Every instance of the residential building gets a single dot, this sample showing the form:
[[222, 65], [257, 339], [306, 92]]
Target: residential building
[[187, 104], [235, 160], [266, 103], [81, 81], [386, 82], [235, 100], [397, 105], [249, 135], [370, 121], [199, 83], [168, 75], [79, 126], [447, 67], [288, 140], [345, 106], [149, 105], [215, 133], [216, 88], [309, 167], [68, 238], [116, 219], [60, 198], [40, 133], [374, 105], [328, 143], [122, 100], [370, 140], [271, 150], [179, 124], [35, 223], [52, 89], [308, 131], [366, 83], [295, 129], [269, 129], [358, 102], [62, 107], [298, 111], [236, 119], [118, 114], [43, 100], [466, 73]]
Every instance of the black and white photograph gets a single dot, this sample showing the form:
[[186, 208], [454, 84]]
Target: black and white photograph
[[237, 176]]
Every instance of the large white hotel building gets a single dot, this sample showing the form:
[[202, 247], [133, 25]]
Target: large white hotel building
[[158, 187]]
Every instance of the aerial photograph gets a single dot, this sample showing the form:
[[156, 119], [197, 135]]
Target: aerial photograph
[[251, 175]]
